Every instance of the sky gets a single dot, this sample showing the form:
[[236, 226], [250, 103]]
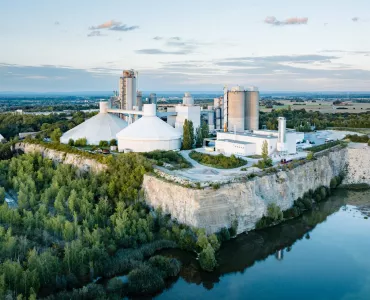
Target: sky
[[196, 45]]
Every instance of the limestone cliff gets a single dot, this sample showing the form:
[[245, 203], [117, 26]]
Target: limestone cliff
[[82, 163], [247, 201]]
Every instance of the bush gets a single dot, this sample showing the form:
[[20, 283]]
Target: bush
[[274, 212], [215, 243], [168, 267], [145, 280], [299, 203], [207, 259], [71, 142], [218, 161], [224, 234], [234, 228], [115, 285], [307, 203], [323, 146], [103, 144], [264, 222], [170, 157], [2, 195], [333, 183], [113, 142], [215, 186], [292, 212], [81, 142], [310, 156], [358, 138]]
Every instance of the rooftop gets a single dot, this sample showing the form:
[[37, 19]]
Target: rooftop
[[235, 142], [250, 134]]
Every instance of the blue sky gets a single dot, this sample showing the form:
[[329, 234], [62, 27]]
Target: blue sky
[[50, 45]]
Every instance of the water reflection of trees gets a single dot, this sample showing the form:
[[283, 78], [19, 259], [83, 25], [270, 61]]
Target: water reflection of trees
[[241, 253]]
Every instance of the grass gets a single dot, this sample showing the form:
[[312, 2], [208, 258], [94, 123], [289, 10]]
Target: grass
[[256, 156], [217, 161], [176, 160]]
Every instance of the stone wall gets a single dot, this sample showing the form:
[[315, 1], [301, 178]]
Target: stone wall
[[82, 163], [244, 201]]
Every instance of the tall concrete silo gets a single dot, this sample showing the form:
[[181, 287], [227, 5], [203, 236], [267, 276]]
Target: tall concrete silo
[[139, 100], [236, 109], [252, 98], [153, 98]]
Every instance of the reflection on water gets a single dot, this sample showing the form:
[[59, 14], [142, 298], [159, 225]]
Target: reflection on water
[[324, 254]]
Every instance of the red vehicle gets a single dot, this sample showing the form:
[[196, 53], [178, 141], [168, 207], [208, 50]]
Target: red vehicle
[[284, 161]]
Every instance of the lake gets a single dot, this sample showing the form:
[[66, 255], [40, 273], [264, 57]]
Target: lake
[[324, 254]]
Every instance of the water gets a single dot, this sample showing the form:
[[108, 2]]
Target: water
[[325, 254]]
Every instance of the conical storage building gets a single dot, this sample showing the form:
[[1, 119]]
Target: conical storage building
[[149, 133], [102, 127]]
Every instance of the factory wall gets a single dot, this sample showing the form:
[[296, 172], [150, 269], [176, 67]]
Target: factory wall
[[191, 113], [229, 148]]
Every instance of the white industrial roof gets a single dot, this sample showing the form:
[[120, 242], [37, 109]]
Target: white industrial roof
[[149, 128], [102, 127]]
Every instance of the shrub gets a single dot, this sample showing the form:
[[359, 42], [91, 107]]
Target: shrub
[[168, 267], [307, 203], [145, 280], [333, 183], [115, 285], [81, 142], [299, 203], [2, 195], [274, 212], [234, 228], [215, 243], [264, 222], [71, 142], [103, 144], [215, 186], [113, 142], [292, 212], [218, 161], [310, 156], [323, 193], [224, 234], [207, 259]]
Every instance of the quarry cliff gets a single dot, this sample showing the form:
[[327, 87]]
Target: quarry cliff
[[247, 201]]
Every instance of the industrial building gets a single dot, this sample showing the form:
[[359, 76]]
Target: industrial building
[[149, 133], [247, 143], [102, 127], [127, 90], [241, 108]]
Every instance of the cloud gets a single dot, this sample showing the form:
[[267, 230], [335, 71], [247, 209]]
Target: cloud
[[95, 33], [105, 25], [361, 52], [291, 21], [158, 38], [162, 52], [123, 27], [175, 38], [56, 23], [355, 19]]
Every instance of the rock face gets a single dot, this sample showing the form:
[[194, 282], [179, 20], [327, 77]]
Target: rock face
[[247, 201], [358, 169], [82, 163]]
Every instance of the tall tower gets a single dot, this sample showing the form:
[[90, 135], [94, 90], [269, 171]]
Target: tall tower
[[281, 142], [252, 99], [127, 89], [153, 98]]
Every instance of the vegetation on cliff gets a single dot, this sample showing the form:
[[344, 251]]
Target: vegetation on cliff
[[219, 161], [71, 227]]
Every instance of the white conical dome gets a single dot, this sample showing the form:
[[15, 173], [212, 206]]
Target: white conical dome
[[102, 127], [149, 133]]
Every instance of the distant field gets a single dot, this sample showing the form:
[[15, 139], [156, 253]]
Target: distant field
[[321, 106]]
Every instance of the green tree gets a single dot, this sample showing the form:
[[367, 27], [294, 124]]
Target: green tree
[[198, 137], [113, 142], [265, 151], [103, 144], [188, 135], [71, 142], [56, 135], [204, 130], [2, 195], [207, 259]]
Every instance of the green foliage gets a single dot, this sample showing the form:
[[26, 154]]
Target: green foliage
[[202, 132], [188, 135], [56, 135], [215, 243], [310, 156], [265, 151], [234, 228], [103, 144], [218, 161], [5, 151], [358, 138], [274, 212], [216, 186], [81, 142], [113, 142], [325, 146], [2, 195], [71, 142], [207, 259], [333, 183], [145, 280], [224, 234], [168, 267], [169, 157], [292, 212]]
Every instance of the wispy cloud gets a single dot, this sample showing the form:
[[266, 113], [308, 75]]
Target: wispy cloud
[[56, 23], [95, 33], [355, 19], [291, 21], [162, 52], [123, 27], [114, 25], [158, 38]]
